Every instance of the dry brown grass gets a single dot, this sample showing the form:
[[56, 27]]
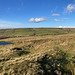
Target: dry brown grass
[[38, 46]]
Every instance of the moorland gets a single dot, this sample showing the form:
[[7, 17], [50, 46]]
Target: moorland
[[37, 51]]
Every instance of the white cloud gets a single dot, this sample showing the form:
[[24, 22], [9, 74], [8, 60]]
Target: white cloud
[[70, 8], [57, 20], [60, 26], [37, 20], [66, 26], [31, 20], [55, 14]]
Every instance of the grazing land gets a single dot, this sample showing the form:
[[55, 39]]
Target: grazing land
[[37, 51], [37, 31]]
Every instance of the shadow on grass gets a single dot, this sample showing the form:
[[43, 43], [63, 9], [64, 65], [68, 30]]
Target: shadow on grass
[[55, 64], [19, 51]]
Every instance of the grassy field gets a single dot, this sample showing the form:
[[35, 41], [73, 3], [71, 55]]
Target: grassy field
[[36, 31], [39, 52]]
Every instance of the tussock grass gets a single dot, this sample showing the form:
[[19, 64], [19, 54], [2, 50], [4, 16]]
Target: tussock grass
[[40, 55]]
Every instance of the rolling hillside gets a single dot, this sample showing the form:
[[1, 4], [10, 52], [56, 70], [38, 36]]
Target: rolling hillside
[[36, 31], [49, 54]]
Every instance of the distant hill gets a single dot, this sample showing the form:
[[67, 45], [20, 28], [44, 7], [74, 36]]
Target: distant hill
[[35, 31]]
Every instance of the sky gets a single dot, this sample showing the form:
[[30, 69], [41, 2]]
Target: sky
[[37, 13]]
